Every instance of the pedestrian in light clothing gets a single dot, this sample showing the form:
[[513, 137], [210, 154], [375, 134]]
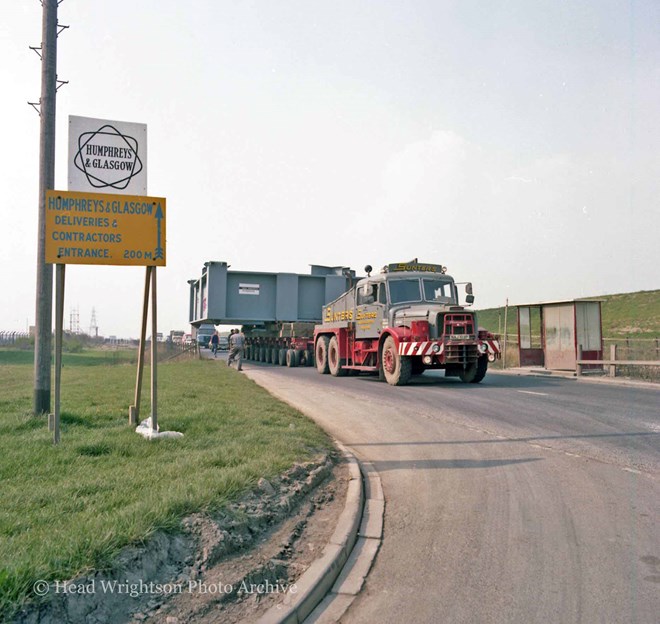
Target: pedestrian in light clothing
[[236, 344]]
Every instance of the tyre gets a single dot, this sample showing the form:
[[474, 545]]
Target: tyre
[[282, 357], [482, 367], [476, 371], [309, 354], [418, 367], [262, 354], [334, 360], [275, 355], [397, 369], [321, 355], [291, 358]]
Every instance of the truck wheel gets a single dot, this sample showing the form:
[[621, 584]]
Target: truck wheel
[[309, 361], [275, 356], [396, 368], [321, 355], [282, 357], [291, 358], [418, 367], [482, 367], [476, 371], [334, 361]]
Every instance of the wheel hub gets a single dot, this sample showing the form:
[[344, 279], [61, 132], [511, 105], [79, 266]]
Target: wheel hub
[[389, 360]]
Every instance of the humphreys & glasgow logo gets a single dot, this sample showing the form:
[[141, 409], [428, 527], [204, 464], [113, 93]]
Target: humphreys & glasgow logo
[[108, 158]]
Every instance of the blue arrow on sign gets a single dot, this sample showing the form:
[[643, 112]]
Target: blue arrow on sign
[[159, 247]]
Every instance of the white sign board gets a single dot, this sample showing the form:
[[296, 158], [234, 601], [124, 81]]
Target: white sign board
[[248, 289], [107, 156]]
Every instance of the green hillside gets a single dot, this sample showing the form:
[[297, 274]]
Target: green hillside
[[627, 315]]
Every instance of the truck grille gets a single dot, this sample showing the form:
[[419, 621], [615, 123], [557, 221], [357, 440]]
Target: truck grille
[[461, 354]]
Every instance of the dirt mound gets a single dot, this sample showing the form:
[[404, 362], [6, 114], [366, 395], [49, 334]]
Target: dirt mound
[[225, 568]]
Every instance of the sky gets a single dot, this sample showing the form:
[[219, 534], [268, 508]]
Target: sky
[[514, 141]]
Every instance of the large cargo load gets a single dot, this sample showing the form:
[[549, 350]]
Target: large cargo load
[[277, 311]]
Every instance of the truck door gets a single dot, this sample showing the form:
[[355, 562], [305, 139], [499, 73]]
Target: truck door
[[370, 310]]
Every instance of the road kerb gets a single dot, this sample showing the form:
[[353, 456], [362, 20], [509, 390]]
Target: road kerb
[[353, 575], [318, 579]]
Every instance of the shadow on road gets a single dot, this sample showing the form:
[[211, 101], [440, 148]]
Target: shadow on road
[[436, 379], [447, 464], [506, 440]]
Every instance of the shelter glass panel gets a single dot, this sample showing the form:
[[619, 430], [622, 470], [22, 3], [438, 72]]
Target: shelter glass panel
[[588, 326], [525, 328]]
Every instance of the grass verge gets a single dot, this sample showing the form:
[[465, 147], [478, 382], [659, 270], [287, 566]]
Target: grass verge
[[71, 508]]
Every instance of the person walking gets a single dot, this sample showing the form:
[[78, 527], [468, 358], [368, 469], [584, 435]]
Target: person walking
[[236, 344], [215, 340]]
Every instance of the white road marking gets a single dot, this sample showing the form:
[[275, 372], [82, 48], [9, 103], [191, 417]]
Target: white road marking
[[530, 392]]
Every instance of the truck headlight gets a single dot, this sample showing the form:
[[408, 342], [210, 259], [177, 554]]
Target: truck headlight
[[435, 348], [483, 347]]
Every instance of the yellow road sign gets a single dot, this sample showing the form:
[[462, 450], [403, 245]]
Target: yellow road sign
[[100, 228]]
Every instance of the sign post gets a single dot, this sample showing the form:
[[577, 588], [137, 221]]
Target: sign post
[[134, 410], [154, 353], [59, 322]]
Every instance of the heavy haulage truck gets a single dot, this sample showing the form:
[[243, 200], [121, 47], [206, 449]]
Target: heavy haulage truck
[[401, 322], [397, 324]]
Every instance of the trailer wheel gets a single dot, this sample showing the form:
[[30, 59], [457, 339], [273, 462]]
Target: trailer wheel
[[334, 360], [321, 355], [275, 356], [396, 368], [291, 358], [282, 357]]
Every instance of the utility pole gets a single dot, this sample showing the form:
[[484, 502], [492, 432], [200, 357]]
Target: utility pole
[[44, 308]]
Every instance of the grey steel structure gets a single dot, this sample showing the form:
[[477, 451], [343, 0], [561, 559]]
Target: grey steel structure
[[221, 296]]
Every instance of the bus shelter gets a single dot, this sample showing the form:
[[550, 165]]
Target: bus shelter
[[554, 335]]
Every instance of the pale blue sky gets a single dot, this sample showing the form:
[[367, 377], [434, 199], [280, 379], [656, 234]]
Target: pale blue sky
[[516, 142]]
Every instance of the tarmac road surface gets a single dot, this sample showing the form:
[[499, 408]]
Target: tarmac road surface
[[521, 499]]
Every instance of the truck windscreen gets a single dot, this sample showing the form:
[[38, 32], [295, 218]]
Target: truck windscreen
[[404, 290], [437, 290]]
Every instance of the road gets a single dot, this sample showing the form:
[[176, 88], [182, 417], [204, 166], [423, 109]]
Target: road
[[521, 499]]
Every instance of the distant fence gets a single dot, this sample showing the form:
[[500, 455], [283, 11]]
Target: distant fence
[[629, 357], [12, 337], [634, 348], [644, 369]]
